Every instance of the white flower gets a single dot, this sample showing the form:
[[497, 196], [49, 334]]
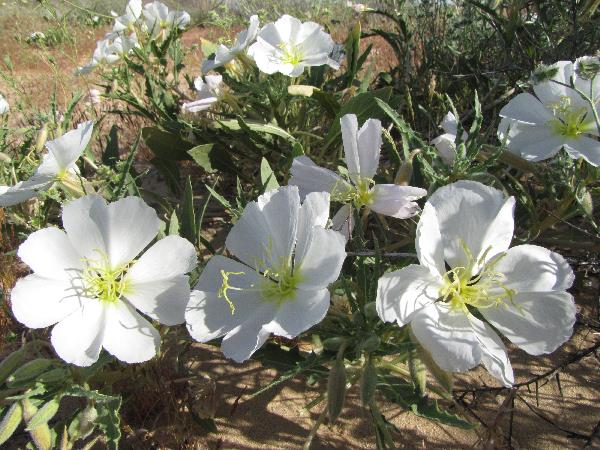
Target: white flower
[[58, 165], [361, 150], [160, 21], [445, 143], [4, 107], [109, 50], [520, 292], [287, 260], [89, 280], [224, 55], [126, 22], [207, 93], [288, 46], [536, 128]]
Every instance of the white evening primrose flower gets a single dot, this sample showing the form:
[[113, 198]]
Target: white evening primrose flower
[[58, 165], [537, 127], [159, 21], [224, 55], [207, 93], [446, 143], [278, 284], [288, 46], [4, 107], [91, 279], [466, 270], [126, 22], [109, 50], [362, 150]]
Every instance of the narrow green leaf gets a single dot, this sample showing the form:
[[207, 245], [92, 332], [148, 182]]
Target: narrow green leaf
[[10, 422], [336, 387], [267, 177], [44, 414], [188, 216]]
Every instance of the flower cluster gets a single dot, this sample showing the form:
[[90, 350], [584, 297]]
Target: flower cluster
[[286, 46], [153, 19]]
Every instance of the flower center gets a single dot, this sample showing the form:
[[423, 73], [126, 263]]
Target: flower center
[[569, 120], [277, 286], [485, 290], [291, 54], [103, 282]]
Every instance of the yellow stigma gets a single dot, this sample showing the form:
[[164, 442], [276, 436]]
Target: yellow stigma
[[569, 120], [291, 54], [485, 290], [225, 286], [103, 282]]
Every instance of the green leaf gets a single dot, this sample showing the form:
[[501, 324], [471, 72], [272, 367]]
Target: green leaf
[[28, 372], [208, 47], [222, 200], [352, 52], [336, 387], [170, 171], [368, 383], [166, 145], [267, 177], [9, 364], [402, 393], [364, 105], [10, 422], [201, 154], [110, 156], [267, 128], [173, 225], [188, 216], [44, 414]]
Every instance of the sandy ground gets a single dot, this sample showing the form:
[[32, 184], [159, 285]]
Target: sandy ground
[[277, 419]]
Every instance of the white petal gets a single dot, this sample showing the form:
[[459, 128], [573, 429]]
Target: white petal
[[77, 339], [584, 147], [493, 352], [129, 336], [349, 126], [343, 221], [241, 342], [532, 142], [79, 221], [69, 147], [537, 322], [39, 302], [446, 147], [474, 214], [167, 258], [428, 242], [313, 212], [294, 316], [265, 233], [24, 190], [121, 229], [164, 300], [448, 336], [369, 147], [50, 254], [526, 108], [396, 201], [450, 124], [311, 178], [209, 316], [402, 293], [322, 261], [529, 268]]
